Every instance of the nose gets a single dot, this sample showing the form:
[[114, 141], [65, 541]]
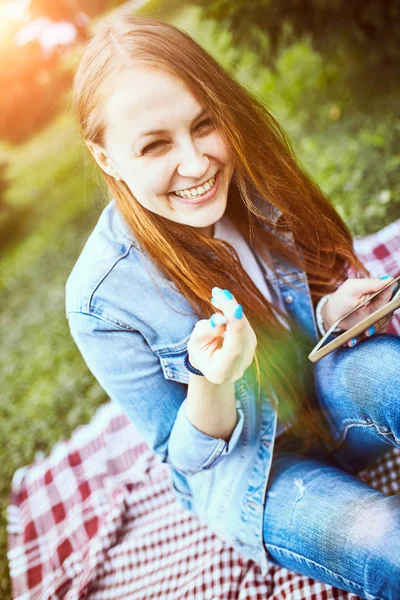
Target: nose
[[192, 162]]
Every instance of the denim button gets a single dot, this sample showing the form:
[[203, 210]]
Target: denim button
[[289, 299]]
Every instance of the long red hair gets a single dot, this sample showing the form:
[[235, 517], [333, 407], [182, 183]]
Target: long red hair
[[266, 171]]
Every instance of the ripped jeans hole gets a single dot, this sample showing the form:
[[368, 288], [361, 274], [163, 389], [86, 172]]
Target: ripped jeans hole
[[300, 484]]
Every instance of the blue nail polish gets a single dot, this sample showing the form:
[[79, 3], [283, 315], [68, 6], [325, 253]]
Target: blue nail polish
[[213, 300], [217, 319], [396, 287], [385, 277], [238, 311], [371, 330], [228, 295], [354, 341]]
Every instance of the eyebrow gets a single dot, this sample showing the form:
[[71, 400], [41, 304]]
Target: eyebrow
[[159, 131]]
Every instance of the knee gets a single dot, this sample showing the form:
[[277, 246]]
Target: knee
[[366, 369], [377, 530]]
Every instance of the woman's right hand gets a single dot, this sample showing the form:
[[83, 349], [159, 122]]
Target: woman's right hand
[[223, 352]]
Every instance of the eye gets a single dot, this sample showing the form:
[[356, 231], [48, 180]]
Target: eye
[[205, 122], [152, 146]]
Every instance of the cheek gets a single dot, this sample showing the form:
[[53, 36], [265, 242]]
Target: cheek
[[221, 149], [148, 179]]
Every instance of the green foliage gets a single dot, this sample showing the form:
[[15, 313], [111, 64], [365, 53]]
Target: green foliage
[[352, 150], [350, 145], [366, 32]]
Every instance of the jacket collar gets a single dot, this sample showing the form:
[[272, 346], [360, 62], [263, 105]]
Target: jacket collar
[[273, 213]]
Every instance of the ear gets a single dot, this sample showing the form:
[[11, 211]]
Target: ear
[[100, 157]]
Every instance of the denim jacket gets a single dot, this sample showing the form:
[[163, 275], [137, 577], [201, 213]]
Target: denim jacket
[[132, 326]]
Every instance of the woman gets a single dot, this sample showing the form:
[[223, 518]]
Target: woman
[[193, 304]]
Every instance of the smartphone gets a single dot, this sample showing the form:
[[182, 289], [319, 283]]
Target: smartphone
[[324, 347]]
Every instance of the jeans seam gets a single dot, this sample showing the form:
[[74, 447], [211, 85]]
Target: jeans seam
[[282, 550]]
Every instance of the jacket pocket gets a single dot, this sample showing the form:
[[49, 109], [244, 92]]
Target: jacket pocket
[[172, 357]]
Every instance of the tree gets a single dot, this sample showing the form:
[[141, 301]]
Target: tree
[[367, 32]]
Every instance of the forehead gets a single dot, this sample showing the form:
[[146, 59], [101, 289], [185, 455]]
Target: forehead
[[147, 97]]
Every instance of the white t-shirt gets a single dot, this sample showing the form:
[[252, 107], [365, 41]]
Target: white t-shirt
[[224, 229]]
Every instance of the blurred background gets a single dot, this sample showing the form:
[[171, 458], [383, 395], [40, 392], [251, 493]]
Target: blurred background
[[328, 70]]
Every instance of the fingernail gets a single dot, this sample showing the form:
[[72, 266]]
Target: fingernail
[[213, 300], [238, 311], [354, 341], [395, 287], [227, 295], [386, 276], [371, 330], [217, 319], [215, 291]]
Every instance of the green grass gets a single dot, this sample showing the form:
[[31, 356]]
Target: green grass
[[47, 390]]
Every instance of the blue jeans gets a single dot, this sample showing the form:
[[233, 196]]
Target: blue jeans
[[320, 520]]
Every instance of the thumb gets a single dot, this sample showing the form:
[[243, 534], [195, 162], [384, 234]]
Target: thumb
[[207, 329]]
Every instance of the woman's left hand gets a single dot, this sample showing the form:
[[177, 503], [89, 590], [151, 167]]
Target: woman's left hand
[[349, 295]]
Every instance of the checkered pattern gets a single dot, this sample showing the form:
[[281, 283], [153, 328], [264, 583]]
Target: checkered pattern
[[98, 518]]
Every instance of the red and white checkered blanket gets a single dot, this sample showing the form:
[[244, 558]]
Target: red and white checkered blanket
[[98, 519]]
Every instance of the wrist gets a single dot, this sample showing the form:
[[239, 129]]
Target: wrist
[[324, 320], [318, 314], [191, 368]]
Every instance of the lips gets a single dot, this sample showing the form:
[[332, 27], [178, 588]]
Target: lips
[[200, 199], [210, 181]]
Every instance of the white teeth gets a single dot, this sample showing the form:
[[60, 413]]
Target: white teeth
[[192, 193]]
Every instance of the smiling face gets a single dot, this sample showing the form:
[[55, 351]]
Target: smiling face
[[185, 152]]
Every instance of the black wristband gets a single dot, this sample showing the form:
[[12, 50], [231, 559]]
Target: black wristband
[[190, 367]]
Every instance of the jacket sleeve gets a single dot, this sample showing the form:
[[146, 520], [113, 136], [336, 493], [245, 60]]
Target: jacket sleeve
[[131, 375]]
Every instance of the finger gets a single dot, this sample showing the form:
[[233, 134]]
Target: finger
[[206, 330], [367, 285], [227, 303], [224, 300], [217, 322], [354, 341], [376, 328], [379, 327], [233, 338], [383, 324]]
